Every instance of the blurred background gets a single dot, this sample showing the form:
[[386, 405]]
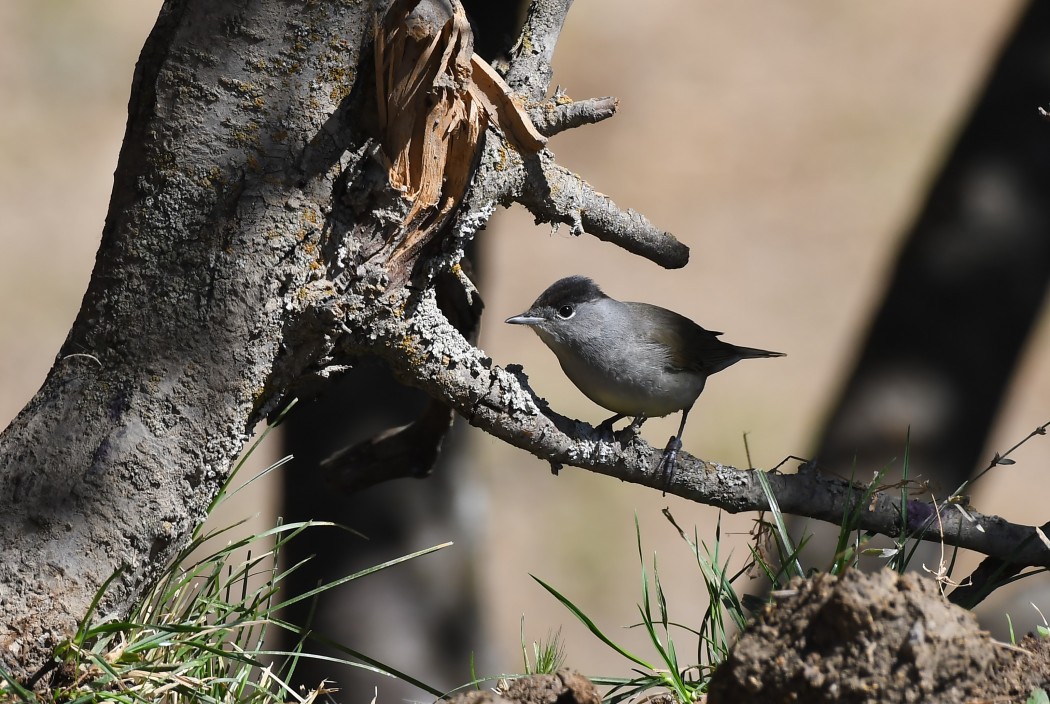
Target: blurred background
[[791, 145]]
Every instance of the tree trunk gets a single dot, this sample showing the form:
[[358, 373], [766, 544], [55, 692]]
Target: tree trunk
[[277, 191], [185, 338]]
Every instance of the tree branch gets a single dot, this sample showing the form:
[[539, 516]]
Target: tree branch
[[563, 113], [554, 194], [425, 351], [530, 70]]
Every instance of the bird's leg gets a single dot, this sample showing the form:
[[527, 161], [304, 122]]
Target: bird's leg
[[670, 458], [606, 425]]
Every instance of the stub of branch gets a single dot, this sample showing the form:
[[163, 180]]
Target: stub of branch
[[554, 194], [407, 451], [429, 120], [563, 113]]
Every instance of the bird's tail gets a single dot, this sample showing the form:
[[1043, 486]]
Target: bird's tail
[[755, 353]]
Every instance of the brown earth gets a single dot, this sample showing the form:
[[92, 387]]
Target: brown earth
[[564, 687], [859, 638], [874, 637]]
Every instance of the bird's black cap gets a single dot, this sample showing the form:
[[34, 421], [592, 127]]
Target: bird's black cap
[[571, 289]]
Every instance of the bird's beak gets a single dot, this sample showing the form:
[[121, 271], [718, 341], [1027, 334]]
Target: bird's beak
[[524, 319]]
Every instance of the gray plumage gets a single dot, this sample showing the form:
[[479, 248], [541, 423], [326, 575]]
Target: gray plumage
[[635, 359], [632, 358]]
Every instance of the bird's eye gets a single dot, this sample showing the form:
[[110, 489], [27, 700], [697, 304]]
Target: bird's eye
[[565, 312]]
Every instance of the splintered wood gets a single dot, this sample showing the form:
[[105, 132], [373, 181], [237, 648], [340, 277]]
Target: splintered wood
[[435, 99]]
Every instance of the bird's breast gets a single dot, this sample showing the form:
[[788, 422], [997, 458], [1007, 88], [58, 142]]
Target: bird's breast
[[630, 385]]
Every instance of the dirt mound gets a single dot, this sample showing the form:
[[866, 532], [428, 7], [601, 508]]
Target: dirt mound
[[564, 687], [873, 638]]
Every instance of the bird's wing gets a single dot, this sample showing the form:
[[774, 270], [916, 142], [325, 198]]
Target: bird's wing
[[689, 346]]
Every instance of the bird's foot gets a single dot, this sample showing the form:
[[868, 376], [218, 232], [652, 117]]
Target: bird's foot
[[630, 432], [669, 461]]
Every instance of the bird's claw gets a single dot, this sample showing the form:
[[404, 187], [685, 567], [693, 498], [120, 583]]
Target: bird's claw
[[669, 461], [624, 436], [631, 431]]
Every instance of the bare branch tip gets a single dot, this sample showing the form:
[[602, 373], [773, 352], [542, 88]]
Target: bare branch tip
[[561, 113]]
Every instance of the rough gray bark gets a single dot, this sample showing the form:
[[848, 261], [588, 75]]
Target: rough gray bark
[[208, 255]]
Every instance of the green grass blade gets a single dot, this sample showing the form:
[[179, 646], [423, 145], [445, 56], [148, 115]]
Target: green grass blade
[[358, 575], [793, 566], [590, 625]]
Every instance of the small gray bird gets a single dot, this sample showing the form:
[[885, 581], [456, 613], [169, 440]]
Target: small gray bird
[[635, 359]]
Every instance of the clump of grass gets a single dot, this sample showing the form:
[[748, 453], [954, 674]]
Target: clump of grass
[[548, 655], [200, 634], [776, 556], [664, 671]]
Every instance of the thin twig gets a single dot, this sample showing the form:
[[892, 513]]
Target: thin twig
[[997, 460]]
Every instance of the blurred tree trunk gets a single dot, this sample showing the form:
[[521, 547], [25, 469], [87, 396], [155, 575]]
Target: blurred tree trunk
[[966, 290], [422, 617], [436, 602]]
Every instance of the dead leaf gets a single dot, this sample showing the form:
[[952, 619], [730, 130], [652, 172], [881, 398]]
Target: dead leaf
[[435, 98]]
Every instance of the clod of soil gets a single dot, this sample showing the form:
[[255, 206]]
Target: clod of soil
[[873, 638], [563, 687]]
